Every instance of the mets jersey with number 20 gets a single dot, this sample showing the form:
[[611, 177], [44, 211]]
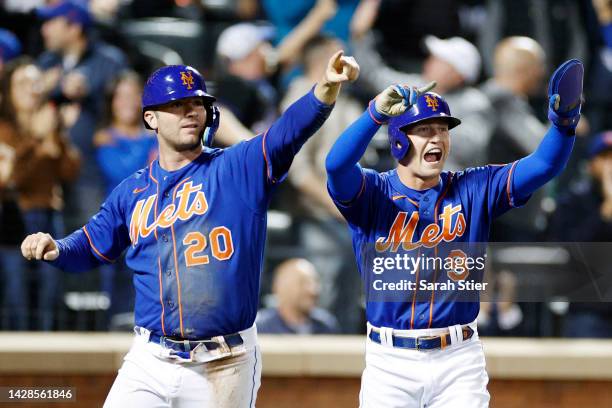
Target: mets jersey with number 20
[[195, 236]]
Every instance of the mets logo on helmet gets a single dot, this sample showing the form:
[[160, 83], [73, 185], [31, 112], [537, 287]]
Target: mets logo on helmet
[[187, 79], [432, 102]]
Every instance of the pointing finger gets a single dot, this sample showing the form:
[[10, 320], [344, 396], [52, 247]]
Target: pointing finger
[[427, 87], [335, 60]]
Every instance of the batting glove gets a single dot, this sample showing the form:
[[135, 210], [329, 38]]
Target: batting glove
[[396, 99]]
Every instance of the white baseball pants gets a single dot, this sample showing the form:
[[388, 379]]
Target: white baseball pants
[[403, 378], [149, 378]]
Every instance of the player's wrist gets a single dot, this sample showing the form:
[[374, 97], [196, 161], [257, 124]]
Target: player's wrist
[[326, 92], [376, 115], [564, 122]]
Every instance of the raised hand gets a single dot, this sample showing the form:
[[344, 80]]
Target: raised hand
[[326, 8], [396, 99], [339, 69]]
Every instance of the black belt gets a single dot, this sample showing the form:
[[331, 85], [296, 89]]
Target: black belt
[[185, 345], [423, 343]]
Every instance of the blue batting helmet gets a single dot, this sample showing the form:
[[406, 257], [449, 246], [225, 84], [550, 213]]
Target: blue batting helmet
[[428, 106], [174, 82]]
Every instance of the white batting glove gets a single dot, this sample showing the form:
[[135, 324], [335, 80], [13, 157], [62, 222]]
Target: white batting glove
[[396, 99]]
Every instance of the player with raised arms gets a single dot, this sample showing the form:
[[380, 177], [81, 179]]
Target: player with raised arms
[[194, 226], [422, 350]]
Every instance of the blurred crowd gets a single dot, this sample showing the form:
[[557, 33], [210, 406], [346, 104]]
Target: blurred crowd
[[71, 75]]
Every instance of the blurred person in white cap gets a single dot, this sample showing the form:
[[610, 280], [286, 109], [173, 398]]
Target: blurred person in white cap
[[455, 65], [246, 49], [247, 60]]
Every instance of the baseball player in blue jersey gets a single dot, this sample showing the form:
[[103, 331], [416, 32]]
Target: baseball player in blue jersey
[[194, 226], [423, 350]]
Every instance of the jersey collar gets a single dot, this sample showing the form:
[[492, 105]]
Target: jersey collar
[[403, 190]]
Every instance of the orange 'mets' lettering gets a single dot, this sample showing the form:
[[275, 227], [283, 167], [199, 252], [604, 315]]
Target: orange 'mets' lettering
[[168, 216], [402, 232]]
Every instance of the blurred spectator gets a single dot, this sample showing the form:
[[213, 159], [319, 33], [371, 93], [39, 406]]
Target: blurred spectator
[[322, 233], [557, 25], [584, 211], [123, 144], [584, 214], [31, 126], [599, 80], [14, 304], [286, 16], [247, 62], [10, 48], [244, 87], [77, 71], [455, 65], [519, 74], [104, 10], [296, 289], [231, 130], [22, 6], [500, 316], [403, 25]]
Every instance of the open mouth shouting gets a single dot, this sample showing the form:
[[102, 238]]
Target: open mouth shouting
[[433, 155]]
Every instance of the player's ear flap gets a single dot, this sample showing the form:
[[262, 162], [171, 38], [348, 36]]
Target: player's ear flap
[[151, 119]]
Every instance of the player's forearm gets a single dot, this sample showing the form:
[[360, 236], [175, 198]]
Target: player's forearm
[[344, 176], [289, 133], [549, 159], [75, 253]]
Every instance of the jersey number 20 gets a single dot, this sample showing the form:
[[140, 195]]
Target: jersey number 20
[[221, 246]]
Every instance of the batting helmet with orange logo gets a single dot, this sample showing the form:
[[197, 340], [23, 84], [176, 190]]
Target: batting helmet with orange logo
[[428, 106], [174, 82]]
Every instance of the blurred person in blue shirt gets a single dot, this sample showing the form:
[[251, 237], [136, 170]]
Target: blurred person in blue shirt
[[123, 145], [286, 15], [296, 290]]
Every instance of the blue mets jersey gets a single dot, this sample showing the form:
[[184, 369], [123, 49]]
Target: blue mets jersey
[[195, 236], [386, 217]]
